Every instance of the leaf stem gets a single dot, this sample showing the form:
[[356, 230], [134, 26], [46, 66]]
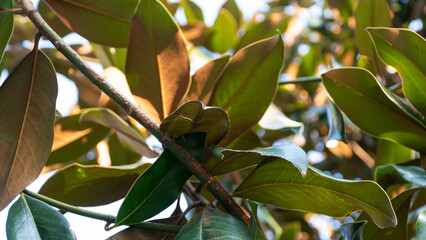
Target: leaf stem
[[186, 158], [19, 11], [100, 216], [302, 80]]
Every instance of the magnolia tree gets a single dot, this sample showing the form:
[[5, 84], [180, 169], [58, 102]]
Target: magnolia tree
[[235, 135]]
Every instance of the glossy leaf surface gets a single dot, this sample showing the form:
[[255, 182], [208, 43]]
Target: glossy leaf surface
[[231, 160], [125, 133], [27, 113], [7, 26], [373, 108], [336, 124], [421, 226], [279, 183], [103, 22], [352, 230], [213, 224], [31, 219], [394, 174], [160, 185], [403, 49], [254, 67], [193, 117], [82, 185], [389, 152], [401, 205], [205, 78], [157, 65]]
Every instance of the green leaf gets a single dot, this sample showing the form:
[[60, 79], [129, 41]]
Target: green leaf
[[193, 12], [309, 62], [290, 231], [27, 114], [254, 67], [193, 117], [279, 183], [213, 224], [223, 32], [160, 185], [254, 228], [102, 22], [50, 17], [82, 185], [31, 219], [119, 153], [373, 108], [205, 78], [125, 133], [421, 226], [232, 7], [74, 139], [7, 24], [256, 31], [352, 230], [388, 152], [401, 205], [394, 174], [403, 49], [275, 119], [371, 13], [157, 42], [230, 160], [336, 123]]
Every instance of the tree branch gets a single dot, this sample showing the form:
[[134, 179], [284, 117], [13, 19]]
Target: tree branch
[[12, 11], [186, 158], [302, 80], [100, 216]]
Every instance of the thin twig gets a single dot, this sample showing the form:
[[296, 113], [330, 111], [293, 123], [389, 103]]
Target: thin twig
[[100, 216], [18, 11], [186, 158], [191, 191], [302, 80]]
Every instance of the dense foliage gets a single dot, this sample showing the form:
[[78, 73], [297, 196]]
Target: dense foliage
[[256, 119]]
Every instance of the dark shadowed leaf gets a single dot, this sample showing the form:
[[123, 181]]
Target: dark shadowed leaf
[[371, 13], [254, 67], [157, 65], [50, 17], [401, 205], [373, 108], [230, 160], [120, 153], [125, 133], [254, 228], [6, 26], [92, 185], [394, 174], [223, 33], [213, 224], [193, 12], [336, 124], [31, 219], [421, 226], [205, 78], [134, 233], [27, 114], [103, 22], [279, 183], [352, 230], [192, 117], [403, 49], [74, 139], [388, 152], [160, 185]]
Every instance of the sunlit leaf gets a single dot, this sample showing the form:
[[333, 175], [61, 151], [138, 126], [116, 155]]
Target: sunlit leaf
[[160, 185], [91, 185], [193, 12], [352, 230], [205, 78], [7, 26], [373, 108], [232, 160], [193, 117], [254, 67], [388, 152], [223, 32], [274, 119], [27, 114], [401, 205], [31, 219], [403, 49], [232, 7], [336, 124], [394, 174], [213, 224], [421, 226], [157, 65], [290, 231], [280, 184]]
